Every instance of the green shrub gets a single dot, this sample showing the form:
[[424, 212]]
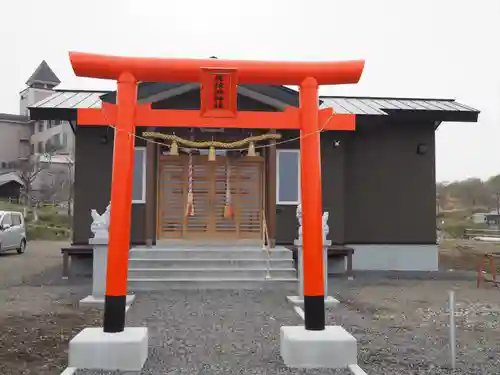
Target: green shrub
[[39, 232], [455, 230], [55, 219]]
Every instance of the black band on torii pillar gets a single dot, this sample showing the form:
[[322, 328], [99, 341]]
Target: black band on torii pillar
[[314, 313], [114, 313]]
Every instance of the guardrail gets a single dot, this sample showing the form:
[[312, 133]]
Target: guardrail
[[471, 233]]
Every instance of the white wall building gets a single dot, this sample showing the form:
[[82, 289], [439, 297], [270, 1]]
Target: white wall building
[[46, 134], [24, 140]]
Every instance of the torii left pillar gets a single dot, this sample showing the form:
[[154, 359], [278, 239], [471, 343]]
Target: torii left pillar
[[127, 348], [121, 191]]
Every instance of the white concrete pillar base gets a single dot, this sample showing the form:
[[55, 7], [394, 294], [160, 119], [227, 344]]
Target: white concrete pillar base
[[333, 347], [94, 349], [98, 302], [299, 301]]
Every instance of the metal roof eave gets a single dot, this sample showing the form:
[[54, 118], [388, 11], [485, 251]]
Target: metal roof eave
[[63, 105], [431, 115]]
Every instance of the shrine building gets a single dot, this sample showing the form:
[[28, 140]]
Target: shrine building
[[203, 185]]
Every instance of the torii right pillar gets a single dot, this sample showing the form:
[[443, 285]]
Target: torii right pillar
[[314, 345], [310, 177]]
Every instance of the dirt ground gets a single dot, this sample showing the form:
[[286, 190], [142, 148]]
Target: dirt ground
[[38, 314], [397, 318], [464, 254]]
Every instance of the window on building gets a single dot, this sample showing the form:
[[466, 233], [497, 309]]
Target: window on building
[[139, 180], [40, 126], [288, 177], [3, 164], [48, 146], [56, 140], [16, 219], [32, 149], [57, 122], [65, 139], [6, 220]]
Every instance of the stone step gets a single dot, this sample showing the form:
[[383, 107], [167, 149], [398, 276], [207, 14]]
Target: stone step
[[209, 253], [210, 274], [197, 263], [208, 243], [144, 284]]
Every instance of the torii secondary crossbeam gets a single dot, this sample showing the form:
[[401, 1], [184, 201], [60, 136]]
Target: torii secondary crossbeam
[[219, 80]]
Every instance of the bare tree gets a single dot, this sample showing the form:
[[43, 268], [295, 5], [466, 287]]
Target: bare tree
[[62, 183], [28, 170]]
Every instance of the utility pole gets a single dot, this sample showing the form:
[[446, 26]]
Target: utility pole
[[497, 195]]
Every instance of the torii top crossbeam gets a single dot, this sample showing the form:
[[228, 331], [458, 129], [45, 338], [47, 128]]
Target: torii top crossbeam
[[188, 70], [219, 79]]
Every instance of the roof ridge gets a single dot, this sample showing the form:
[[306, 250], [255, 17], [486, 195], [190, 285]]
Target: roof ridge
[[84, 90], [384, 98]]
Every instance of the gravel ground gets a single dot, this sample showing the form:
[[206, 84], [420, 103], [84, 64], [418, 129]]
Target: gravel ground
[[401, 326], [38, 314]]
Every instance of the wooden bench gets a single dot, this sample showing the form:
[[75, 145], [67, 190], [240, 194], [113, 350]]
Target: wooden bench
[[83, 251], [334, 251]]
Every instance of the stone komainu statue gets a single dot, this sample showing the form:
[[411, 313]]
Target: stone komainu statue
[[325, 227], [100, 223]]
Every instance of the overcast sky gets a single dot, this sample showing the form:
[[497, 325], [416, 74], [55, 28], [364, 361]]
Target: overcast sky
[[424, 48]]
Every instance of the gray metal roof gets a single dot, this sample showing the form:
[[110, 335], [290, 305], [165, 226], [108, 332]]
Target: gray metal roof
[[7, 177], [381, 106], [43, 74], [340, 104], [7, 117], [71, 100]]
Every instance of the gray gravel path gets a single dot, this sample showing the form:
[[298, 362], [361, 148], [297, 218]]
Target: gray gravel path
[[38, 314], [400, 325]]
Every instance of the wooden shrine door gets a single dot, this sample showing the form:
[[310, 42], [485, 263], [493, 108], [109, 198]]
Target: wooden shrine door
[[237, 181]]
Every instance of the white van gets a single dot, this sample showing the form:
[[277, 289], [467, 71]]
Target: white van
[[12, 232]]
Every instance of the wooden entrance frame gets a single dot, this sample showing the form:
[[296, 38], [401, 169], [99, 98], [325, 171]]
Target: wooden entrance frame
[[127, 114], [210, 219]]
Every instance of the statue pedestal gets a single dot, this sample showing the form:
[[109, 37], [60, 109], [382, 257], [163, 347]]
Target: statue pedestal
[[298, 300], [100, 263]]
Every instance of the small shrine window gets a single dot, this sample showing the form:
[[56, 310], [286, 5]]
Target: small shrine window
[[288, 177], [139, 177]]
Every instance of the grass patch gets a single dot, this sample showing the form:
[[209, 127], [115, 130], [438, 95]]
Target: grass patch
[[47, 233], [51, 226]]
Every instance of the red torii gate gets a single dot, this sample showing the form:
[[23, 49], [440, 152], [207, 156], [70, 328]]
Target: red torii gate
[[219, 79]]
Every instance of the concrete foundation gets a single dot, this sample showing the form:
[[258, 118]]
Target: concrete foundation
[[332, 348], [94, 349], [395, 257], [299, 301], [98, 302]]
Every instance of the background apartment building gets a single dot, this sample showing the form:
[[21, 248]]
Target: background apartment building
[[46, 145], [48, 134]]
